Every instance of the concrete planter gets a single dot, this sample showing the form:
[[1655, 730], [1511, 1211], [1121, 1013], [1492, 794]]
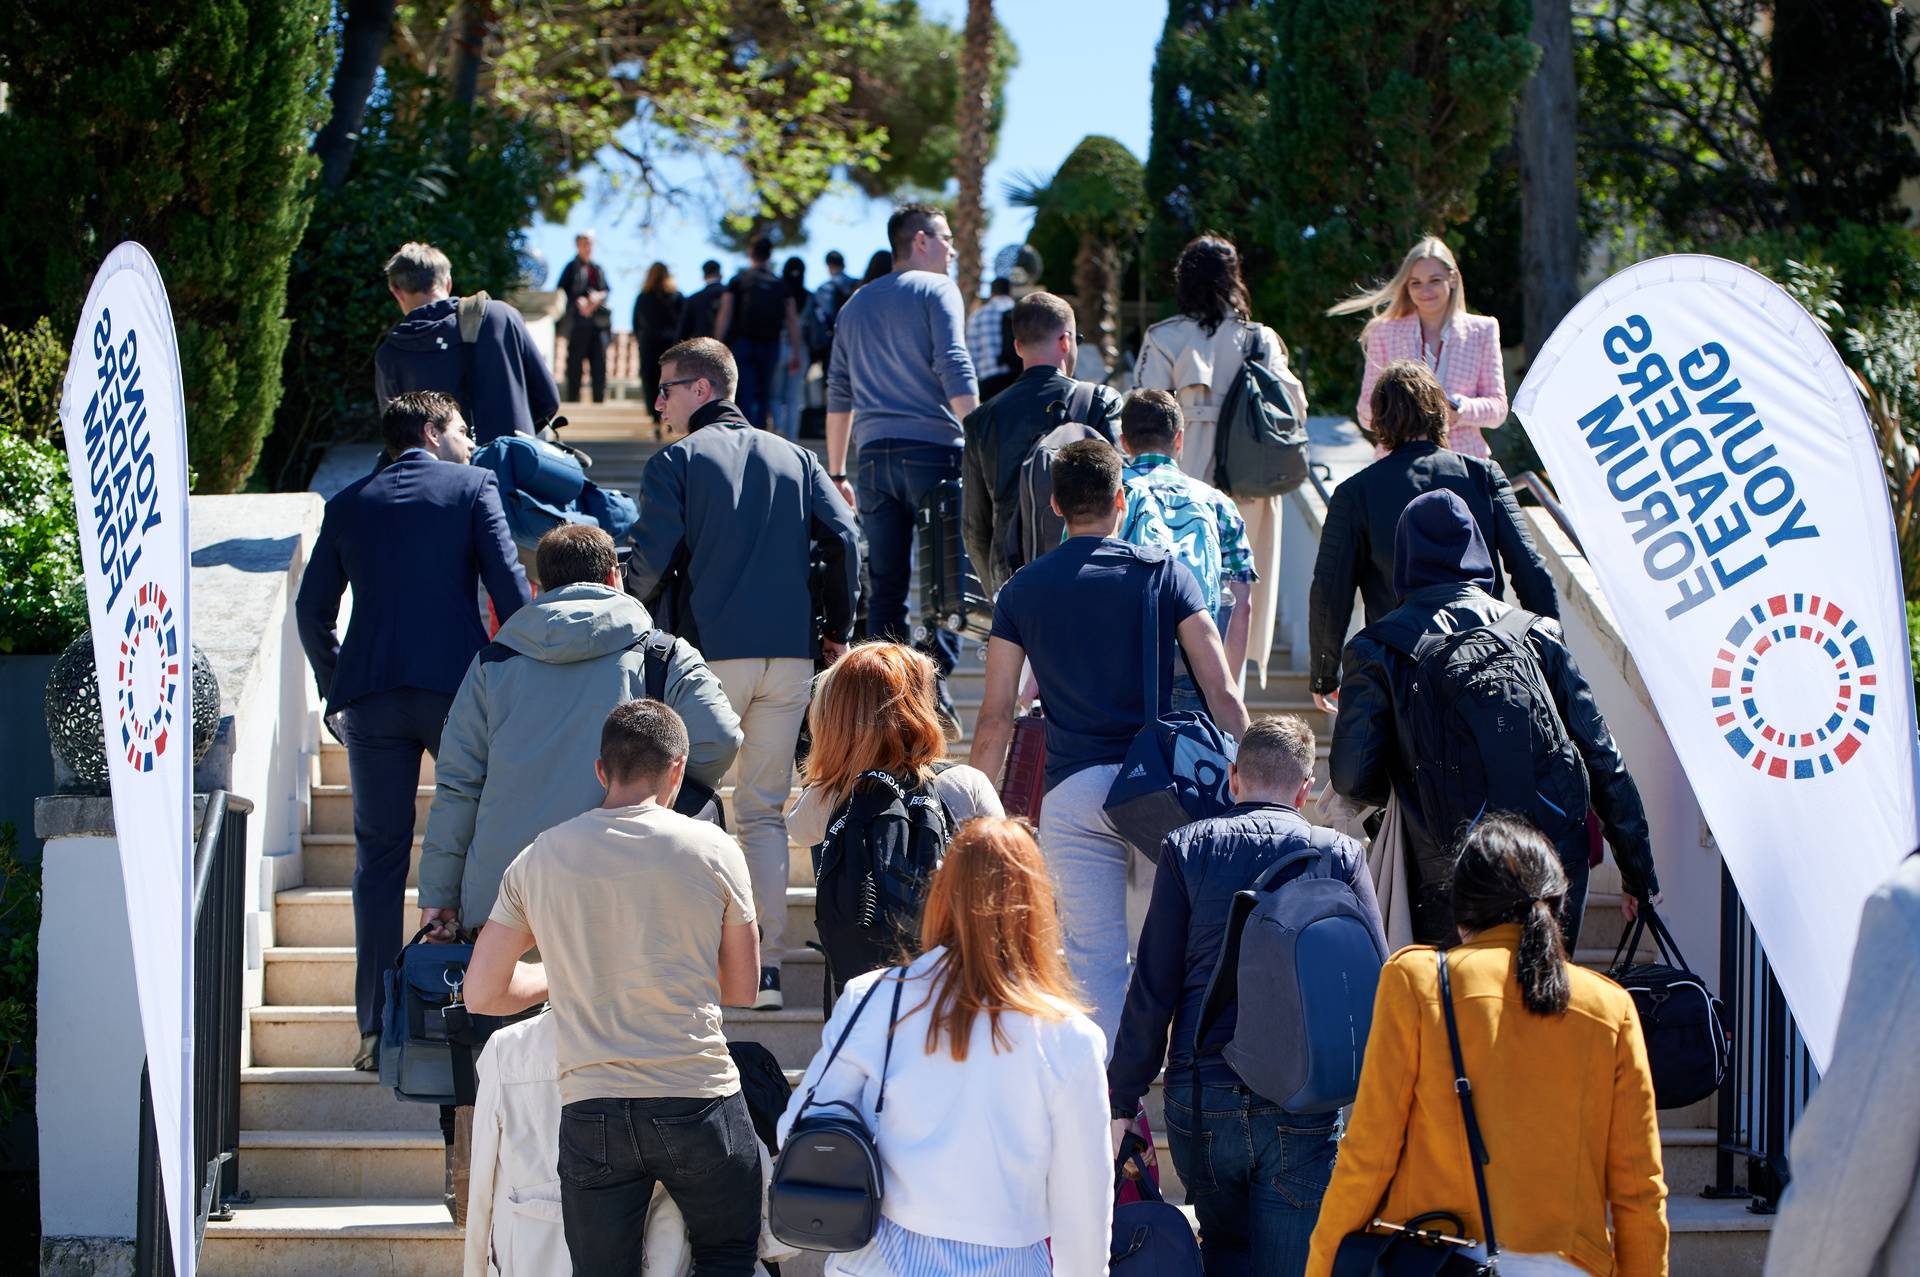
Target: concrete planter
[[23, 726]]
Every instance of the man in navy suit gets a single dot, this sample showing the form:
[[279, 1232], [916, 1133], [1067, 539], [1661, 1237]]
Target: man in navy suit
[[413, 539]]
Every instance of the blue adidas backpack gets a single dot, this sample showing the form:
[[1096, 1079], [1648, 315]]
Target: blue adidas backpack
[[1302, 959]]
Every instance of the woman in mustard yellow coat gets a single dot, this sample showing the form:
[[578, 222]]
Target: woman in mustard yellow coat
[[1560, 1086]]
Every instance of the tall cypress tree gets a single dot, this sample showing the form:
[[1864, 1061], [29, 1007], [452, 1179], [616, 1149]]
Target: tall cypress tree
[[182, 124]]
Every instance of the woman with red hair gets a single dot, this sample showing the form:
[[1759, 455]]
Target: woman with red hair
[[874, 710], [994, 1135]]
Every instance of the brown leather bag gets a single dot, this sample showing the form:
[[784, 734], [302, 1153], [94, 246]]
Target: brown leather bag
[[1025, 781]]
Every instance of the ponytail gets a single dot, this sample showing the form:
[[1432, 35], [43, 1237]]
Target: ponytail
[[1509, 872], [1542, 961]]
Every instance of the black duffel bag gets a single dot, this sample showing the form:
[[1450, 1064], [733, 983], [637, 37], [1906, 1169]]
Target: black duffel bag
[[1688, 1046]]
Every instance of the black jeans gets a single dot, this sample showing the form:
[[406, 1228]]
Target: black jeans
[[587, 350], [385, 734], [702, 1151]]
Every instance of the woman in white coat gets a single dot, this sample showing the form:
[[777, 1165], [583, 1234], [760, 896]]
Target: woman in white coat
[[994, 1137], [1196, 355]]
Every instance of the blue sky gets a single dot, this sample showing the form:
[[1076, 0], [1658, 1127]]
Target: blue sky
[[1086, 66]]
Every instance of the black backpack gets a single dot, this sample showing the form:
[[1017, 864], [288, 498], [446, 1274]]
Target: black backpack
[[1036, 528], [823, 319], [694, 799], [1483, 734], [764, 1084], [871, 874], [761, 299]]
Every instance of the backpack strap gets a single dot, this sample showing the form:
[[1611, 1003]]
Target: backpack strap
[[1080, 402], [1514, 624], [655, 646]]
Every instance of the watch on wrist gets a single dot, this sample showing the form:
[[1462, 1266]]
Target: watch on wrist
[[841, 477]]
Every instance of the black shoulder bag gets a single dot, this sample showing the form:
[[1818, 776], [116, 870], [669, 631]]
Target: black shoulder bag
[[826, 1186], [695, 799], [1434, 1244]]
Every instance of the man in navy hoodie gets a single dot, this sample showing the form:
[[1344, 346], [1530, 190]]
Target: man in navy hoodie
[[502, 384]]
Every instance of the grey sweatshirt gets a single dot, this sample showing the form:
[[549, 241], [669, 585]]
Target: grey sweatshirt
[[517, 753], [899, 354]]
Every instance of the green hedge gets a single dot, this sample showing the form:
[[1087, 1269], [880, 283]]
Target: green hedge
[[43, 598]]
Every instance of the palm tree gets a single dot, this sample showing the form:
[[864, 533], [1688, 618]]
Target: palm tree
[[970, 159], [1099, 198]]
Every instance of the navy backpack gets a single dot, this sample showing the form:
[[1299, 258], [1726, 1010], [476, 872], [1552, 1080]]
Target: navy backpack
[[1302, 961]]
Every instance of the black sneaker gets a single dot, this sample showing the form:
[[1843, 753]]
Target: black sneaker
[[769, 999], [368, 1059]]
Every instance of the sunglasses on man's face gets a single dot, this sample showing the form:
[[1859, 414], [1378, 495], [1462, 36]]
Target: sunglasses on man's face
[[666, 387]]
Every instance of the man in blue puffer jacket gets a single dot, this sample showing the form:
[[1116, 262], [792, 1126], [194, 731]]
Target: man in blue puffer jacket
[[1254, 1174]]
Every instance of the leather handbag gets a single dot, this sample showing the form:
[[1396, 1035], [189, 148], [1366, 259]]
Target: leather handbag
[[1024, 787], [1434, 1244], [827, 1183]]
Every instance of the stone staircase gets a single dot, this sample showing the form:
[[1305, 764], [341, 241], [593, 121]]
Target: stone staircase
[[346, 1180]]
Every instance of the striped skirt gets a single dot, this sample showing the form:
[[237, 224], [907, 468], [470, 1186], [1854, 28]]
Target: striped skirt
[[898, 1252]]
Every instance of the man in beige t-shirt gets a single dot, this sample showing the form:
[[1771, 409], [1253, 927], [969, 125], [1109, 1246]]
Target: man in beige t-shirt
[[645, 924]]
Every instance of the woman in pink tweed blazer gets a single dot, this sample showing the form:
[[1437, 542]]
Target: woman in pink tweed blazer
[[1421, 314]]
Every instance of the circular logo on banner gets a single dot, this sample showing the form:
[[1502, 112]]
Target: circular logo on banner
[[1794, 686], [148, 677]]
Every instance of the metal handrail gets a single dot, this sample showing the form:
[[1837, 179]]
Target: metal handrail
[[1319, 472], [219, 923], [1535, 485], [1771, 1075]]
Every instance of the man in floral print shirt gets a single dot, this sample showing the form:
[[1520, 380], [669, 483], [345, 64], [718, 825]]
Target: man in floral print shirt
[[1198, 522]]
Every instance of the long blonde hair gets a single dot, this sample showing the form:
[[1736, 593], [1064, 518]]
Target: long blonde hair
[[874, 710], [992, 906], [1391, 299]]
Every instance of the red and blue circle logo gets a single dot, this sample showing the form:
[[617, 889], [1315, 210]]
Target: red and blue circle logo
[[147, 679], [1794, 687]]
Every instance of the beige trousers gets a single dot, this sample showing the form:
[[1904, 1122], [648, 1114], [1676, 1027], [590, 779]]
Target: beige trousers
[[770, 696]]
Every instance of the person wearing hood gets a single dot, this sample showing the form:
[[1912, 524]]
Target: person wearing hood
[[503, 385], [732, 520], [1443, 576], [1356, 546], [516, 755]]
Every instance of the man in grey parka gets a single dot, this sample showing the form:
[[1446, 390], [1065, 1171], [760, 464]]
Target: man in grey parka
[[516, 756]]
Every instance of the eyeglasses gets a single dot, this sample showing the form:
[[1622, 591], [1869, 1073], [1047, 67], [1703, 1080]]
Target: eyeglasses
[[667, 386], [945, 237]]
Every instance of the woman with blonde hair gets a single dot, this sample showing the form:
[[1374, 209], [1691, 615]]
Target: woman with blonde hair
[[1196, 355], [1421, 314], [994, 1136], [1561, 1091]]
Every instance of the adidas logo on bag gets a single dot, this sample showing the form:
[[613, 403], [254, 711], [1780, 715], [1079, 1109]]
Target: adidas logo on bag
[[1139, 770]]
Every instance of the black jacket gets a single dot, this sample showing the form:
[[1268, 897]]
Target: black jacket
[[1370, 739], [656, 319], [739, 512], [1356, 546], [1201, 866], [697, 316], [577, 279], [999, 435]]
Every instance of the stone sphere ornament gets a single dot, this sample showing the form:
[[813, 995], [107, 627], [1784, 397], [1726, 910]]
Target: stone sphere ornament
[[150, 701]]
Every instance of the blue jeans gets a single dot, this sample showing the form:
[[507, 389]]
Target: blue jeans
[[703, 1152], [1254, 1177], [756, 360], [893, 477], [789, 392]]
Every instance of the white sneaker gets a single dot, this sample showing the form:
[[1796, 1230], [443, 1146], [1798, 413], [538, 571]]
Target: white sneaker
[[769, 998]]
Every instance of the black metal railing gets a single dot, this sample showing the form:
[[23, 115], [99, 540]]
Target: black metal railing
[[1536, 486], [1771, 1076], [219, 964]]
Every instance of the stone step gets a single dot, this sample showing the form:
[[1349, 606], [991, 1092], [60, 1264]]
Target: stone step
[[1714, 1238], [310, 1037], [343, 1164], [307, 1237], [326, 1098], [322, 975], [322, 917]]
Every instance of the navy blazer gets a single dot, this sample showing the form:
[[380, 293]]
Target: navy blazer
[[414, 540]]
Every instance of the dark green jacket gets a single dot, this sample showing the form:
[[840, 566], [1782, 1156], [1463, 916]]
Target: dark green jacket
[[999, 434]]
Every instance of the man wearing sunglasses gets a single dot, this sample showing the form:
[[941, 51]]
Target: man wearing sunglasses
[[731, 519]]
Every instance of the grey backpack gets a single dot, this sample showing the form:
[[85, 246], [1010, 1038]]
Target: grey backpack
[[1036, 528], [1302, 959], [1260, 446]]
